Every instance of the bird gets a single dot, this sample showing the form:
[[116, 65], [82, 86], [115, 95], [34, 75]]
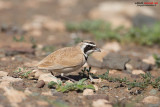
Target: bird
[[68, 59]]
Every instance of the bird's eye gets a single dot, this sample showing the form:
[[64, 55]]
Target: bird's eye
[[88, 47]]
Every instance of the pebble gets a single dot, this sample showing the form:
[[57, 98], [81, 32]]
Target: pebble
[[138, 72], [97, 80], [129, 66], [114, 71], [149, 60], [40, 84], [101, 103], [38, 73], [153, 92], [47, 77], [151, 100], [88, 92]]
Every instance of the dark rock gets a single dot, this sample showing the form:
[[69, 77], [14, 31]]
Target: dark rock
[[40, 84], [140, 65], [115, 61], [98, 96], [93, 62]]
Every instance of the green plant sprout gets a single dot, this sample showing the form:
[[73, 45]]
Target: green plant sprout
[[77, 86], [146, 80], [157, 60], [23, 72], [21, 39]]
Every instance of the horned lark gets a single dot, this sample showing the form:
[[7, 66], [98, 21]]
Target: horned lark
[[68, 59]]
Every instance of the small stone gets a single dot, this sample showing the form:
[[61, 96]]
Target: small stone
[[101, 103], [138, 72], [151, 100], [38, 73], [47, 77], [40, 84], [129, 66], [113, 71], [149, 60], [3, 73], [88, 92], [153, 92], [97, 80]]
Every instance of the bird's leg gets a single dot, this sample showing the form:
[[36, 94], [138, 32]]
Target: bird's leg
[[52, 73], [89, 74], [62, 75], [91, 78]]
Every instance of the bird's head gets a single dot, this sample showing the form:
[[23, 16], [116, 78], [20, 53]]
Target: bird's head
[[88, 47]]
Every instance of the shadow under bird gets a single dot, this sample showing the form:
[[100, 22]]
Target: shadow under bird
[[68, 59]]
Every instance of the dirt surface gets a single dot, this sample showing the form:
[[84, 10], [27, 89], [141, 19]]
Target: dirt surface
[[16, 51]]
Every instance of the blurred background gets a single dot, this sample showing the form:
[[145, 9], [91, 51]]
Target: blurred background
[[32, 29], [64, 22]]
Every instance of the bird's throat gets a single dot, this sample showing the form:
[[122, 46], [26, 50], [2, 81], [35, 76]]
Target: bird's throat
[[86, 56]]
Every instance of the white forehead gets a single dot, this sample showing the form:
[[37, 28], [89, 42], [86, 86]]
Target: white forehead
[[89, 44]]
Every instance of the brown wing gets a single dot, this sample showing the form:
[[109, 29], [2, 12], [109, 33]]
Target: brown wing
[[63, 58]]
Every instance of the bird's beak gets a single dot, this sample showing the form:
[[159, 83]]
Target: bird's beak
[[97, 50]]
